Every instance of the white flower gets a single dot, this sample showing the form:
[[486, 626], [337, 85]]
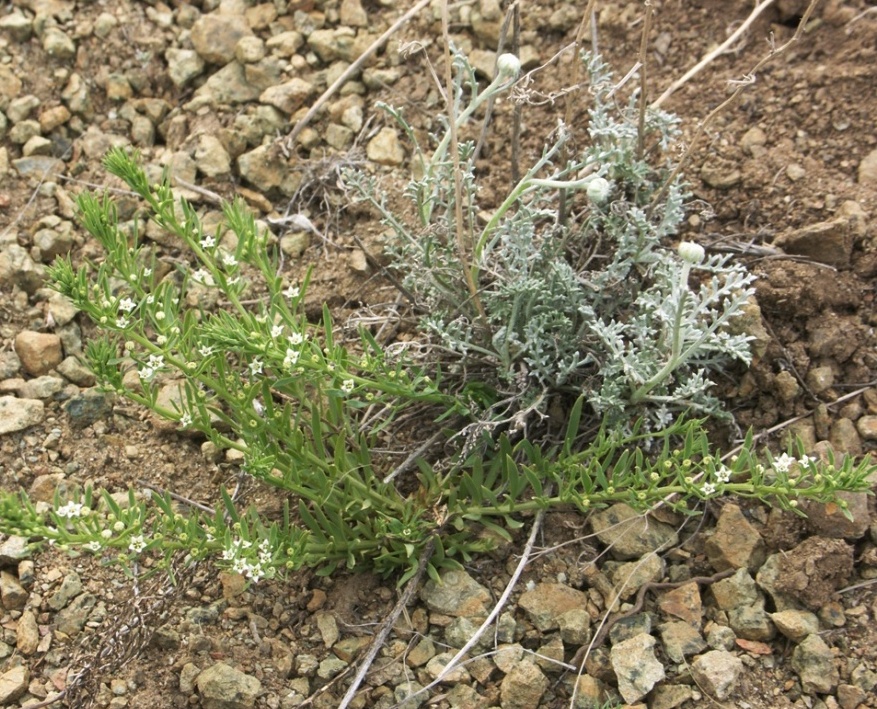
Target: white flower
[[208, 242], [127, 305], [70, 510], [106, 534], [255, 573], [205, 350], [229, 260], [147, 272], [186, 420], [291, 358], [784, 463], [137, 543], [347, 386], [93, 546], [708, 489], [150, 299], [155, 361], [203, 277], [292, 292], [508, 65], [598, 190], [160, 315], [255, 367], [118, 526], [228, 554], [296, 338], [276, 331], [122, 323], [691, 252], [240, 566], [723, 474]]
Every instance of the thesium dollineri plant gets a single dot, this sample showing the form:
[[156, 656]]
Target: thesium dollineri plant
[[536, 326]]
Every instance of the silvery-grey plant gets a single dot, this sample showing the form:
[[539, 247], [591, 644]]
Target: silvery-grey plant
[[597, 302]]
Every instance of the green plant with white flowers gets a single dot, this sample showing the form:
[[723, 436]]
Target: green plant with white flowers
[[593, 313]]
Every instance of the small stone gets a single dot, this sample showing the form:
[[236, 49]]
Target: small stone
[[548, 601], [17, 26], [829, 242], [58, 45], [285, 44], [385, 148], [263, 167], [74, 371], [215, 37], [53, 117], [183, 65], [402, 692], [717, 672], [508, 656], [295, 243], [457, 595], [630, 627], [523, 687], [814, 570], [868, 169], [844, 437], [574, 626], [735, 542], [849, 696], [681, 640], [769, 580], [813, 660], [18, 414], [460, 630], [328, 627], [13, 684], [636, 667], [437, 665], [289, 96], [683, 602], [752, 622], [330, 667], [819, 379], [229, 85], [629, 577], [787, 386], [421, 653], [39, 352], [795, 625], [629, 534], [211, 156], [721, 637], [12, 593], [249, 50], [353, 14], [27, 634], [71, 620], [88, 408], [224, 687], [720, 174], [735, 591], [14, 548], [753, 141], [70, 587], [338, 137], [43, 387]]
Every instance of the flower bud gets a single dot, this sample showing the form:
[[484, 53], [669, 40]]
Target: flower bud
[[599, 189], [691, 252], [508, 65]]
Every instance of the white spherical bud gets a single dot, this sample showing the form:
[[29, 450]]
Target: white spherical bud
[[508, 65], [599, 189], [691, 252]]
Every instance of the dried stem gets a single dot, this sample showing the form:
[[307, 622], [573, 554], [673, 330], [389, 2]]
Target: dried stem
[[643, 75]]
